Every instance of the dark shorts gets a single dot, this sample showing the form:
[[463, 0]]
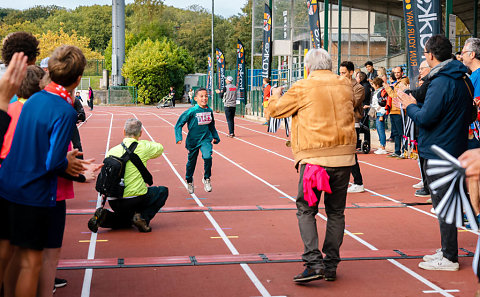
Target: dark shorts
[[28, 226], [56, 225], [4, 214]]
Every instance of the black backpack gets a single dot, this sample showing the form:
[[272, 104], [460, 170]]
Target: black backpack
[[110, 180]]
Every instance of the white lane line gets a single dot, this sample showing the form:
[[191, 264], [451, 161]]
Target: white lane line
[[87, 279], [450, 291], [84, 121], [219, 230], [386, 169], [368, 245]]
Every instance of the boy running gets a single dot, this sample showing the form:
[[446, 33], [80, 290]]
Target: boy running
[[201, 132]]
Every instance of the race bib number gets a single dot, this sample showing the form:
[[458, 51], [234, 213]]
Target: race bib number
[[204, 118]]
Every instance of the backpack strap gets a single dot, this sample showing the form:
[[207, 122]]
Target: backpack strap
[[468, 87], [135, 159]]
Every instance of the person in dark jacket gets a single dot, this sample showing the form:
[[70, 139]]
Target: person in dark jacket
[[76, 141], [442, 120], [90, 98], [229, 96]]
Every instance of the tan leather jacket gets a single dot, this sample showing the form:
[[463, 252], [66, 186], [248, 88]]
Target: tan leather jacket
[[358, 97], [321, 107]]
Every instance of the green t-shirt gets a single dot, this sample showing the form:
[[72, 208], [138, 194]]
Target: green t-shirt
[[146, 150]]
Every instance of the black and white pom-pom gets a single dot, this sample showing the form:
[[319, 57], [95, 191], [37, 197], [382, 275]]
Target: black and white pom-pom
[[274, 124], [449, 173]]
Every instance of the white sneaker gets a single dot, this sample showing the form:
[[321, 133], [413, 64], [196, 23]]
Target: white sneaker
[[419, 185], [380, 152], [442, 264], [433, 210], [191, 188], [356, 189], [437, 256], [207, 186]]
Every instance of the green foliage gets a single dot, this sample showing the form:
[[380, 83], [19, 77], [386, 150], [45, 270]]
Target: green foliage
[[152, 20], [154, 66], [93, 22], [32, 14]]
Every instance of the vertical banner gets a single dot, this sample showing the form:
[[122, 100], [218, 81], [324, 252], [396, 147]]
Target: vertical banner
[[267, 42], [209, 78], [241, 72], [422, 20], [314, 20], [220, 68]]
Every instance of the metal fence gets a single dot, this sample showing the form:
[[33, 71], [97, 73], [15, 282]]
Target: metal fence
[[122, 95], [94, 68], [84, 83]]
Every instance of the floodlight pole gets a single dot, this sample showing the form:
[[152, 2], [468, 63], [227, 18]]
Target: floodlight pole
[[118, 41], [339, 42], [325, 29], [475, 16], [213, 58], [448, 12]]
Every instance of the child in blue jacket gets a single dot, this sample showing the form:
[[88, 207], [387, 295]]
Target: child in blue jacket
[[201, 132]]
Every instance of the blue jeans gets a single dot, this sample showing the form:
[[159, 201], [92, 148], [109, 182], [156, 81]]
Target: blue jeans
[[381, 128], [397, 132]]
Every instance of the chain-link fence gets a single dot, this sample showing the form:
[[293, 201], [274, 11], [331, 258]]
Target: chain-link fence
[[122, 95]]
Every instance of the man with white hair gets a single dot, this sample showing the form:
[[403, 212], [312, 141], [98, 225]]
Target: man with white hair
[[229, 95], [471, 58], [139, 203], [323, 144]]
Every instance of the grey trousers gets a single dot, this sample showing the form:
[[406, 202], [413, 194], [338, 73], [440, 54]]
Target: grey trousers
[[334, 208]]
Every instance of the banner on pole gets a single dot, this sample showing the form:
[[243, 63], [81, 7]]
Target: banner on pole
[[241, 79], [267, 42], [220, 69], [209, 78], [422, 20], [314, 20]]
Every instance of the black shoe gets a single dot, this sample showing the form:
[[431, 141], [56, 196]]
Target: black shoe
[[60, 282], [308, 275], [97, 219], [329, 275], [422, 193], [140, 223]]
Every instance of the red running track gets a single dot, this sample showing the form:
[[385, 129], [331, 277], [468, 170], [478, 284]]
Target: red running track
[[242, 238]]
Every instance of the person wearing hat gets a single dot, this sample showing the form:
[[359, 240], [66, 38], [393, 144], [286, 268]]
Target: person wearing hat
[[44, 64], [229, 96]]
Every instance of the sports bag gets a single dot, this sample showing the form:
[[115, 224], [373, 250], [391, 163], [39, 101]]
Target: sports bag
[[110, 180]]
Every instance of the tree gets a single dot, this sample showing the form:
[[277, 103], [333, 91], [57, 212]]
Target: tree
[[154, 66], [51, 40], [93, 22]]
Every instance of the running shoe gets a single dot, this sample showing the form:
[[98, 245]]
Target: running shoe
[[207, 186], [308, 275], [443, 264], [60, 282], [190, 187], [437, 256], [356, 189], [419, 185], [422, 193]]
